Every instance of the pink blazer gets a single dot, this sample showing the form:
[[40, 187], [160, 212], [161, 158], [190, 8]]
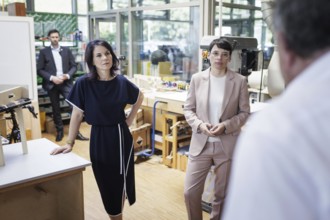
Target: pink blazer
[[234, 112]]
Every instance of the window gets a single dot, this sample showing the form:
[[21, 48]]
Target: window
[[98, 5], [82, 7], [243, 18], [175, 32], [156, 2], [58, 6]]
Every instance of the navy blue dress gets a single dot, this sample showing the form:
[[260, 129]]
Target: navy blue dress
[[111, 143]]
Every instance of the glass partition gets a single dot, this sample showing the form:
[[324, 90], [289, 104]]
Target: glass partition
[[243, 18], [123, 51], [104, 5], [136, 3], [166, 42], [82, 7], [98, 5], [117, 4], [242, 2], [83, 27], [168, 31], [114, 29]]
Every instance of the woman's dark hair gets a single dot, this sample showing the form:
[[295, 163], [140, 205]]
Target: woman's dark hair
[[221, 43], [89, 58]]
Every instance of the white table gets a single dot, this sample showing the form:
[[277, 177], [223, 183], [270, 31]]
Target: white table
[[38, 185]]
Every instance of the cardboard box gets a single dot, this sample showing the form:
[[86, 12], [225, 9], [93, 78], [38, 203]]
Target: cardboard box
[[168, 161], [50, 126], [28, 134], [138, 120], [16, 9], [42, 117], [148, 115], [182, 155], [141, 137], [182, 161], [3, 126]]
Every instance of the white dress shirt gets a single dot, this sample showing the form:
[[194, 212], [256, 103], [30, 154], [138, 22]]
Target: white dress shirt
[[58, 62], [281, 166]]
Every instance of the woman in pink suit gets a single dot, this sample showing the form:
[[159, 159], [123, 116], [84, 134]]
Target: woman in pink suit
[[217, 106]]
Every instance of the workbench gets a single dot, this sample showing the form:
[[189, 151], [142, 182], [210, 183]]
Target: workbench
[[170, 106], [38, 186]]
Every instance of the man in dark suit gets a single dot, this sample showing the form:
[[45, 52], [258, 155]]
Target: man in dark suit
[[56, 65]]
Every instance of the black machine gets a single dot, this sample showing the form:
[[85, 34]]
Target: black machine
[[15, 135], [249, 61], [245, 55]]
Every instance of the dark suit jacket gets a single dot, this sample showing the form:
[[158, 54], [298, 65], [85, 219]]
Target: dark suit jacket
[[234, 113], [46, 66]]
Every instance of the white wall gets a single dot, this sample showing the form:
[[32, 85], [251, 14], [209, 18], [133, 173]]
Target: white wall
[[18, 62], [17, 53]]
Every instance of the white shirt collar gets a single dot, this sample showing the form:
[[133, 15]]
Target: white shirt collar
[[56, 49]]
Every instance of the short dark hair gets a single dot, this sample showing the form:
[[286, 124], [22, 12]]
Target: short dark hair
[[53, 31], [221, 43], [303, 24], [89, 58]]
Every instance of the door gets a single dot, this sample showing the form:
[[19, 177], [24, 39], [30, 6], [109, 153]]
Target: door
[[105, 28]]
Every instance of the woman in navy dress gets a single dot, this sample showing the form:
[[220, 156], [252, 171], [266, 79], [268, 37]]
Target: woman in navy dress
[[101, 97]]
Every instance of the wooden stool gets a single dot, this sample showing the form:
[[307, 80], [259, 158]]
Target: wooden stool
[[171, 138]]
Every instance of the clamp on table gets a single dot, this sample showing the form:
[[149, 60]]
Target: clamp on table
[[12, 101]]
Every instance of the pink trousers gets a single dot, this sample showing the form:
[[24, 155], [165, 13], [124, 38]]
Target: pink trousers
[[197, 170]]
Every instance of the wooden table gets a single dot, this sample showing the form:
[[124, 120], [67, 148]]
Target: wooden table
[[40, 186], [171, 101], [170, 106]]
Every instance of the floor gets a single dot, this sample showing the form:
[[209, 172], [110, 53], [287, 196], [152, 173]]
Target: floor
[[159, 189]]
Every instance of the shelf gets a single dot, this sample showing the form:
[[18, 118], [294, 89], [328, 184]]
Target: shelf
[[41, 104], [45, 104], [178, 138], [39, 44], [42, 92], [171, 139]]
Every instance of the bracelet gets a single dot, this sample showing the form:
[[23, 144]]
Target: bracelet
[[70, 142]]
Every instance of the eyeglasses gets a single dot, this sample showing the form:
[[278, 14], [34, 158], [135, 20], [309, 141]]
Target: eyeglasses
[[222, 55]]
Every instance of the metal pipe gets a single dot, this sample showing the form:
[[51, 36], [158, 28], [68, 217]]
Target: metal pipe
[[153, 130]]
